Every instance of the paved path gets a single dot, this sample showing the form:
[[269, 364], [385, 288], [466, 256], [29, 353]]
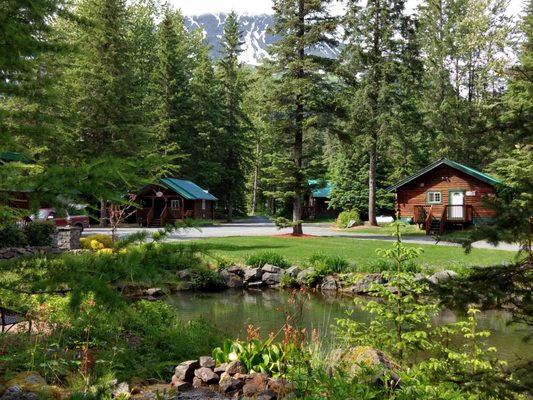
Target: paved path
[[260, 226]]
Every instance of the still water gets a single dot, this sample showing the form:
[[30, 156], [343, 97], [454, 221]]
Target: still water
[[231, 311]]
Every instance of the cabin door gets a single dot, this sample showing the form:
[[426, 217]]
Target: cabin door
[[456, 201], [159, 206]]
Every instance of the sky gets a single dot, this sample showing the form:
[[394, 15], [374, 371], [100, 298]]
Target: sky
[[195, 7]]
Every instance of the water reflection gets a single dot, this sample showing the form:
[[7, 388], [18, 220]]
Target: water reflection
[[232, 310]]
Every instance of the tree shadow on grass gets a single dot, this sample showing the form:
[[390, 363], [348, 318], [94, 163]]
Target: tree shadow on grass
[[238, 247]]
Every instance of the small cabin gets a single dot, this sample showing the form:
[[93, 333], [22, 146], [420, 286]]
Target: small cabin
[[317, 202], [173, 200], [444, 196]]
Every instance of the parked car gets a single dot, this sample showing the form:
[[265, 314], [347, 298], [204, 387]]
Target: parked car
[[75, 216]]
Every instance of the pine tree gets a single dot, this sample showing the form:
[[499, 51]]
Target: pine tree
[[375, 35], [233, 150], [301, 84]]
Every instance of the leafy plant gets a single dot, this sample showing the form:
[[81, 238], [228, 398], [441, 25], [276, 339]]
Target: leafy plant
[[205, 279], [282, 222], [258, 260], [12, 236], [345, 217], [39, 233]]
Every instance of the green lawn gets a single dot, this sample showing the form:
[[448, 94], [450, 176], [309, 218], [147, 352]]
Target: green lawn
[[387, 230], [359, 251]]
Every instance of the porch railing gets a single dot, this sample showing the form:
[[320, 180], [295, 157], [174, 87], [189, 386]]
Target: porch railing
[[461, 213]]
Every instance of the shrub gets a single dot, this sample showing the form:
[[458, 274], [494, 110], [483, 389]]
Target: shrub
[[258, 260], [282, 222], [39, 233], [105, 240], [12, 236], [334, 264], [205, 279], [344, 218]]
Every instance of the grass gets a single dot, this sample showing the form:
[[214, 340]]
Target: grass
[[360, 251], [387, 230]]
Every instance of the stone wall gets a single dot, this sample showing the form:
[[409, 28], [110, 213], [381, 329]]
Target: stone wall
[[13, 252], [67, 238]]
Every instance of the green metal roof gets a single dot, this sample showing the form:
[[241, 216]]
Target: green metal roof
[[463, 168], [11, 156], [189, 190], [318, 189]]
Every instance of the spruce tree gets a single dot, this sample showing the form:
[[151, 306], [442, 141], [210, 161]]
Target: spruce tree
[[233, 149], [301, 82], [375, 37]]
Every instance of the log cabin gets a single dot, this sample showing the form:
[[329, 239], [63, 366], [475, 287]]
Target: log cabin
[[173, 200], [317, 201], [444, 196]]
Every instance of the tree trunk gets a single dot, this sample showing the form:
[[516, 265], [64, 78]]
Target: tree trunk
[[103, 213], [372, 184], [256, 178], [298, 133]]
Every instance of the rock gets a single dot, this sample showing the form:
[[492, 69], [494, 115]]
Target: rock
[[235, 269], [180, 385], [293, 271], [229, 384], [419, 277], [207, 361], [329, 284], [257, 284], [155, 292], [206, 375], [231, 280], [255, 384], [235, 367], [442, 276], [185, 371], [16, 393], [183, 286], [270, 278], [280, 386], [351, 360], [365, 283], [303, 275], [267, 394], [199, 394], [197, 382], [221, 368], [271, 268], [351, 223], [29, 386], [253, 275], [185, 275], [122, 390]]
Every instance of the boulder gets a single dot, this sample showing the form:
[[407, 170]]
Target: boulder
[[267, 394], [270, 278], [252, 275], [206, 375], [154, 292], [329, 284], [255, 384], [280, 386], [228, 383], [271, 269], [185, 371], [122, 390], [351, 361], [235, 367], [207, 361], [29, 386], [235, 269], [442, 276], [231, 280], [221, 368], [185, 275], [197, 382], [16, 393], [180, 385], [364, 284], [293, 271], [303, 275], [183, 286]]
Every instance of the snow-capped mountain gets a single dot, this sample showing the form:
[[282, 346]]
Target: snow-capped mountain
[[255, 34]]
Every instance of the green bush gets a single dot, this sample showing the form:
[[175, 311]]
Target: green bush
[[333, 264], [39, 233], [12, 236], [258, 260], [344, 218], [205, 279]]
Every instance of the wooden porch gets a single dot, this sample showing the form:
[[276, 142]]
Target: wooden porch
[[148, 217], [436, 220]]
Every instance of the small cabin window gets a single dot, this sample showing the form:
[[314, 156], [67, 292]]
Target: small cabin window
[[203, 204], [434, 198], [175, 204]]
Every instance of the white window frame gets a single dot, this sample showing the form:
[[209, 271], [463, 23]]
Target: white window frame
[[175, 201], [433, 193], [203, 204]]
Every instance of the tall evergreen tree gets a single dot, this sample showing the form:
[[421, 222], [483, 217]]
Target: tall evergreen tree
[[301, 83], [233, 151], [375, 35]]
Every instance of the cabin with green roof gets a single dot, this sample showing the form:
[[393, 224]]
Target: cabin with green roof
[[317, 202], [173, 200], [445, 195]]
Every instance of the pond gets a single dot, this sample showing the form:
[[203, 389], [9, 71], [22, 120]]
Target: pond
[[232, 311]]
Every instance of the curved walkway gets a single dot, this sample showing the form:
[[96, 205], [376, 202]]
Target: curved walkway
[[261, 226]]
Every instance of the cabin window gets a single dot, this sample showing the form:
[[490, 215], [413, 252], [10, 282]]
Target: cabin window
[[203, 204], [175, 204], [434, 198]]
